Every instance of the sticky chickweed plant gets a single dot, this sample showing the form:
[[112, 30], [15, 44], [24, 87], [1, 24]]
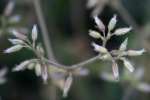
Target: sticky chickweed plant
[[44, 67]]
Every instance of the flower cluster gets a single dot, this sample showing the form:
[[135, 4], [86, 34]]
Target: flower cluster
[[38, 63], [119, 54], [42, 66], [62, 75]]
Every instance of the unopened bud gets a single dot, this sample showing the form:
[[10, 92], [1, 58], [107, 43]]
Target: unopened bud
[[115, 70], [123, 46], [128, 64], [112, 23], [135, 52], [67, 85], [99, 48], [99, 23], [22, 65], [19, 35], [13, 49], [38, 69], [95, 34], [16, 41], [122, 31], [34, 33]]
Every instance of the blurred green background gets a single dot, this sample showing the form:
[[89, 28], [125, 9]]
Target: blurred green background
[[68, 22]]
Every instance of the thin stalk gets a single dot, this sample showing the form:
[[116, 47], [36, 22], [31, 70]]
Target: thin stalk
[[42, 24]]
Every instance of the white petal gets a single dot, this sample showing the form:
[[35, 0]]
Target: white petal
[[99, 23], [112, 23], [40, 49], [115, 70], [122, 31], [45, 74], [95, 34], [123, 46], [38, 69], [22, 65], [31, 66], [106, 57], [34, 33], [99, 48], [135, 52], [19, 35], [16, 41], [67, 85], [128, 65], [13, 49]]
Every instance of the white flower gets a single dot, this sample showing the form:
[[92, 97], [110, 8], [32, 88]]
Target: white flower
[[13, 49], [99, 48], [95, 34], [31, 66], [22, 65], [44, 73], [16, 41], [122, 31], [115, 70], [106, 57], [127, 64], [19, 35], [38, 69], [112, 23], [99, 23], [135, 52], [123, 46], [40, 49], [34, 33], [67, 85]]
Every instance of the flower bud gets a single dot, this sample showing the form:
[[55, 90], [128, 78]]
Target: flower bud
[[31, 66], [34, 33], [123, 46], [19, 35], [38, 69], [99, 23], [135, 52], [13, 49], [112, 23], [106, 57], [22, 65], [122, 31], [67, 85], [44, 73], [127, 64], [40, 49], [16, 41], [115, 70], [95, 34], [99, 48]]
